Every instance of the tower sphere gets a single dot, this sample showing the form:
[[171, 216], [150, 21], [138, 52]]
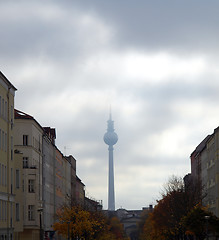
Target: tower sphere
[[110, 138]]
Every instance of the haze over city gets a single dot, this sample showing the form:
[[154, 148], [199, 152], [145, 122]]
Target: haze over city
[[154, 62]]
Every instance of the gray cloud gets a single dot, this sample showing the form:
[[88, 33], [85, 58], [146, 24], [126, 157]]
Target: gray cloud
[[154, 62]]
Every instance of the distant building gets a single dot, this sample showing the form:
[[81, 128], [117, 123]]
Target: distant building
[[80, 191], [72, 161], [92, 205], [131, 219], [48, 179], [205, 168]]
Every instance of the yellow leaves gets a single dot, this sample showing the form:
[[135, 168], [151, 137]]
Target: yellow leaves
[[188, 232], [78, 222], [83, 224]]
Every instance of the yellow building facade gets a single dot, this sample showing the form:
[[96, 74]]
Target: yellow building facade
[[28, 140], [10, 172]]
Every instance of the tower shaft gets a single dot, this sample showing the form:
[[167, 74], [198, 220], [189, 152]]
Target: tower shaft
[[111, 194]]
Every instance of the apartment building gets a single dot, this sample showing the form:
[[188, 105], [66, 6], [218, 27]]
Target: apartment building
[[10, 171], [35, 177], [28, 140], [49, 180], [47, 175], [205, 169]]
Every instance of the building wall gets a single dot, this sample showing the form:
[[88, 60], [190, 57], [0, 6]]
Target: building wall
[[7, 162], [80, 192], [19, 196], [72, 160], [62, 180], [211, 172], [67, 180], [48, 183], [206, 157], [59, 185], [28, 139]]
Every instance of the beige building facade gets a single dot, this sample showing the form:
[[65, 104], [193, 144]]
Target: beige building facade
[[10, 171], [205, 168], [47, 176], [19, 195], [28, 140]]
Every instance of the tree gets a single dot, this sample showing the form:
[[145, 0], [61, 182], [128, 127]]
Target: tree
[[144, 216], [199, 221], [177, 200], [78, 223], [116, 228]]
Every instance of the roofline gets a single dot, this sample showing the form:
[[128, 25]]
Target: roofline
[[7, 81], [27, 117]]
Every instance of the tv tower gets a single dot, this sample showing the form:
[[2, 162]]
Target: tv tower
[[111, 138]]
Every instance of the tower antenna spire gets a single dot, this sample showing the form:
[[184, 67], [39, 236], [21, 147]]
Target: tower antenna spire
[[110, 113]]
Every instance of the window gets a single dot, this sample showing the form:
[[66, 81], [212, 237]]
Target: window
[[25, 162], [3, 175], [6, 142], [3, 107], [17, 178], [12, 117], [11, 180], [25, 140], [4, 210], [11, 219], [3, 140], [17, 211], [31, 213], [11, 148], [6, 110], [31, 187], [12, 113]]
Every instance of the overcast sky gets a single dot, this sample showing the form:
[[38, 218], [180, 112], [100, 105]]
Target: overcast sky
[[155, 62]]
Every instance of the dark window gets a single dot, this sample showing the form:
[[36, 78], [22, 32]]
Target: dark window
[[31, 216], [31, 186], [25, 140], [25, 162]]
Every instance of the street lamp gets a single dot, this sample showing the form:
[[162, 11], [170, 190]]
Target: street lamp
[[40, 210], [206, 218]]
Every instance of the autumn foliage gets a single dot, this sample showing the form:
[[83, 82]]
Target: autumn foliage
[[198, 221], [175, 213], [77, 223]]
